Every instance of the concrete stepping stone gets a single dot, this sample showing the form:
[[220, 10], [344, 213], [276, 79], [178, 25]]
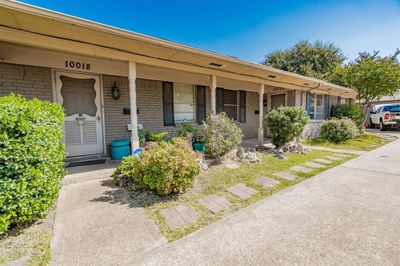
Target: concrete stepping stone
[[301, 169], [325, 161], [286, 175], [267, 182], [314, 165], [179, 216], [215, 203], [342, 155], [231, 165], [333, 158], [241, 191]]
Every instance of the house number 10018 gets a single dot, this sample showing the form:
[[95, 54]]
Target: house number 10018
[[77, 65]]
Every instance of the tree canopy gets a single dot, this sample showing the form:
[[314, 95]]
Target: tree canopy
[[371, 75], [318, 60]]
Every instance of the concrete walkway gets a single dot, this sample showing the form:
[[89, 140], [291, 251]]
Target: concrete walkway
[[98, 223], [348, 215], [333, 149]]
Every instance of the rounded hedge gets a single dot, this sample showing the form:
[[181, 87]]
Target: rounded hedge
[[31, 158], [286, 123], [221, 135], [339, 130], [167, 167]]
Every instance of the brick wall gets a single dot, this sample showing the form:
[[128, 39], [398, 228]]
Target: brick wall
[[29, 81]]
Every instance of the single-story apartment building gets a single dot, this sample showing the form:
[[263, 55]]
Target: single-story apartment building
[[111, 81]]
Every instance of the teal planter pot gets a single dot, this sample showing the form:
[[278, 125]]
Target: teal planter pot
[[120, 149], [199, 147]]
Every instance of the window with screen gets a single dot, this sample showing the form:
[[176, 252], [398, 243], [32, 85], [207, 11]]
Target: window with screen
[[183, 102]]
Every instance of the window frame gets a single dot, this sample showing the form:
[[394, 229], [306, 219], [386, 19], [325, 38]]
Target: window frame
[[313, 102], [193, 103]]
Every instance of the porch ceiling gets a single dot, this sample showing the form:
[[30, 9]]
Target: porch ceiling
[[19, 21]]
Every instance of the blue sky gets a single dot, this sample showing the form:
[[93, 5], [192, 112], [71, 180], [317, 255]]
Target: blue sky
[[250, 29]]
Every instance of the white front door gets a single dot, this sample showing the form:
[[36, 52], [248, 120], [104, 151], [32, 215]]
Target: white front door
[[79, 95]]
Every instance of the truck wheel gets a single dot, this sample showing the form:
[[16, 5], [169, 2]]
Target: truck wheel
[[382, 127]]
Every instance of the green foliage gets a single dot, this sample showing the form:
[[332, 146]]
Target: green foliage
[[155, 136], [316, 60], [339, 130], [166, 168], [352, 111], [31, 158], [371, 76], [286, 123], [221, 135], [186, 128], [199, 136]]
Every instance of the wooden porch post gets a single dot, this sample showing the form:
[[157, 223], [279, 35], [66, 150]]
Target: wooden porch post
[[261, 116], [133, 105], [213, 94]]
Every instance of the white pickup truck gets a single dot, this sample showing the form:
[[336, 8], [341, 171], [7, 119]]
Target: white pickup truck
[[386, 116]]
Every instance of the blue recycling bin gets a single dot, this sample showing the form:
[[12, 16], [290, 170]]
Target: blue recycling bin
[[120, 149]]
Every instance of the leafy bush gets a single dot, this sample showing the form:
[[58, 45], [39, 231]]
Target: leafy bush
[[352, 111], [166, 168], [221, 135], [339, 130], [286, 123], [155, 136], [199, 136], [31, 158], [186, 128]]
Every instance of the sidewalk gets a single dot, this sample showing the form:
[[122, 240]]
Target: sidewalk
[[348, 215], [98, 223]]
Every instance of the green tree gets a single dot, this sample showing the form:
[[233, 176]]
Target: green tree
[[371, 75], [318, 60]]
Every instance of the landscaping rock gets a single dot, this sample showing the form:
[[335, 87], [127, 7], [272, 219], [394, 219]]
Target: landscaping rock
[[298, 168], [203, 163], [251, 157], [299, 148], [241, 191], [215, 203], [280, 154], [314, 165], [240, 153], [267, 182], [286, 175], [179, 216], [269, 146], [325, 161]]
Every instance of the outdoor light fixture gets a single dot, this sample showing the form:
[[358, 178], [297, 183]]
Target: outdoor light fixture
[[265, 102], [115, 91]]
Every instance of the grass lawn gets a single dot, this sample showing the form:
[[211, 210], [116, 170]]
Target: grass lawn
[[365, 142], [218, 178], [31, 242]]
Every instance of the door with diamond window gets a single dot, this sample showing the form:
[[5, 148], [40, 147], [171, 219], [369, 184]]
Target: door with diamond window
[[79, 95]]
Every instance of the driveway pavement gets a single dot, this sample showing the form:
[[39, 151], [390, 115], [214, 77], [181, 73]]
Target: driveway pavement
[[348, 215]]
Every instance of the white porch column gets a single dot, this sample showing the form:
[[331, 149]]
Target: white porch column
[[213, 94], [133, 106], [261, 116]]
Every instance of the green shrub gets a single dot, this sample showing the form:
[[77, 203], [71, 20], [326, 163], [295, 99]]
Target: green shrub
[[339, 130], [352, 111], [221, 135], [186, 128], [31, 158], [286, 123], [166, 168], [155, 136]]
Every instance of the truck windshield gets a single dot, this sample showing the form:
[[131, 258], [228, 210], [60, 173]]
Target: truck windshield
[[392, 108]]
